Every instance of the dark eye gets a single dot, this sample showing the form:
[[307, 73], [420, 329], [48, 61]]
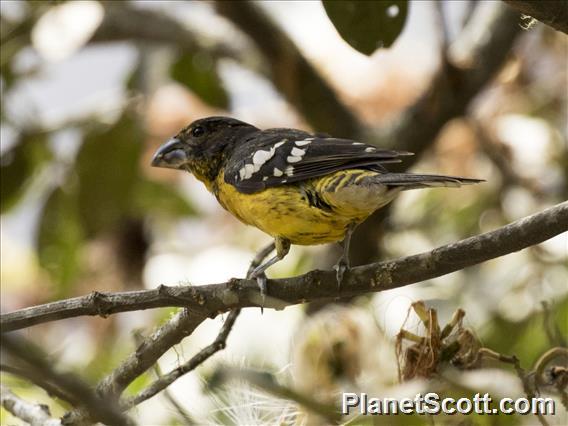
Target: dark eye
[[197, 131]]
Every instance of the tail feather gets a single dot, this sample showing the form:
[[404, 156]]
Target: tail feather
[[414, 181]]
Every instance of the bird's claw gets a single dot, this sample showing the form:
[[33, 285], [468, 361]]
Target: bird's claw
[[261, 281], [340, 269]]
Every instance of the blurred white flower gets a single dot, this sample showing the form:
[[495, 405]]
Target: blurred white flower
[[530, 140], [65, 28], [497, 382]]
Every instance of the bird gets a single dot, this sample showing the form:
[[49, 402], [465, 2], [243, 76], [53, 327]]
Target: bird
[[299, 188]]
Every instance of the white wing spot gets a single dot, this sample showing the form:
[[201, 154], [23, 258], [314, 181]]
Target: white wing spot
[[292, 159], [370, 149], [261, 157], [304, 142], [279, 144], [277, 172], [297, 152], [357, 143], [242, 173], [265, 178], [289, 171], [249, 170]]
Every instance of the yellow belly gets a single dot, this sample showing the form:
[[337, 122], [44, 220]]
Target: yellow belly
[[286, 212]]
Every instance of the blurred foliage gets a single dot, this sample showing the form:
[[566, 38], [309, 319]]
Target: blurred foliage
[[107, 170], [60, 238], [139, 384], [155, 197], [19, 165], [198, 73], [528, 338], [367, 25], [103, 190]]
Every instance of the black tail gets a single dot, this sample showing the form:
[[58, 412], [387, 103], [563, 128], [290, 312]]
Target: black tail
[[414, 181]]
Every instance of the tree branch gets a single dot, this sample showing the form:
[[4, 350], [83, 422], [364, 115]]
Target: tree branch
[[212, 299], [34, 414], [553, 13]]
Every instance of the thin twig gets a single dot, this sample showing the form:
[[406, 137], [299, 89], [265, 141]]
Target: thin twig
[[558, 373], [528, 387], [555, 336], [167, 379], [188, 420], [150, 350]]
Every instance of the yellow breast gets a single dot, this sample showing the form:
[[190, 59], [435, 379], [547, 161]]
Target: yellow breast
[[285, 211]]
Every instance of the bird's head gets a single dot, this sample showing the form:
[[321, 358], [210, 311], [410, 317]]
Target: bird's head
[[200, 147]]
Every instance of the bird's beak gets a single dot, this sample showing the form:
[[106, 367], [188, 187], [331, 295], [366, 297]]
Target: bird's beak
[[171, 155]]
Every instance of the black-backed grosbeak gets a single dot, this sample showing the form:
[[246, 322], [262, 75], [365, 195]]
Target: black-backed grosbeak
[[297, 187]]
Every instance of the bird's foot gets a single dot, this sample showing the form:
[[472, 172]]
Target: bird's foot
[[261, 281], [340, 268]]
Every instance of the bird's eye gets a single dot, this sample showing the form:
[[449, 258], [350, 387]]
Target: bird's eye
[[197, 131]]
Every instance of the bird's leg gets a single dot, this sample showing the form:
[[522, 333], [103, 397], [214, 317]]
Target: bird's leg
[[256, 262], [282, 246], [343, 264], [259, 257]]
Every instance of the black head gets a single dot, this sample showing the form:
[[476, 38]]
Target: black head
[[199, 147]]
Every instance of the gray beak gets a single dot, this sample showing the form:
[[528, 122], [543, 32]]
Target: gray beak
[[171, 155]]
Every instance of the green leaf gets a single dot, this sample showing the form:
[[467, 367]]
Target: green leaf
[[59, 238], [138, 384], [18, 167], [107, 168], [155, 197], [198, 73], [367, 25]]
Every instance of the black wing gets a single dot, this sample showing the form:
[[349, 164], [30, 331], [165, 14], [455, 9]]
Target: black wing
[[281, 156]]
